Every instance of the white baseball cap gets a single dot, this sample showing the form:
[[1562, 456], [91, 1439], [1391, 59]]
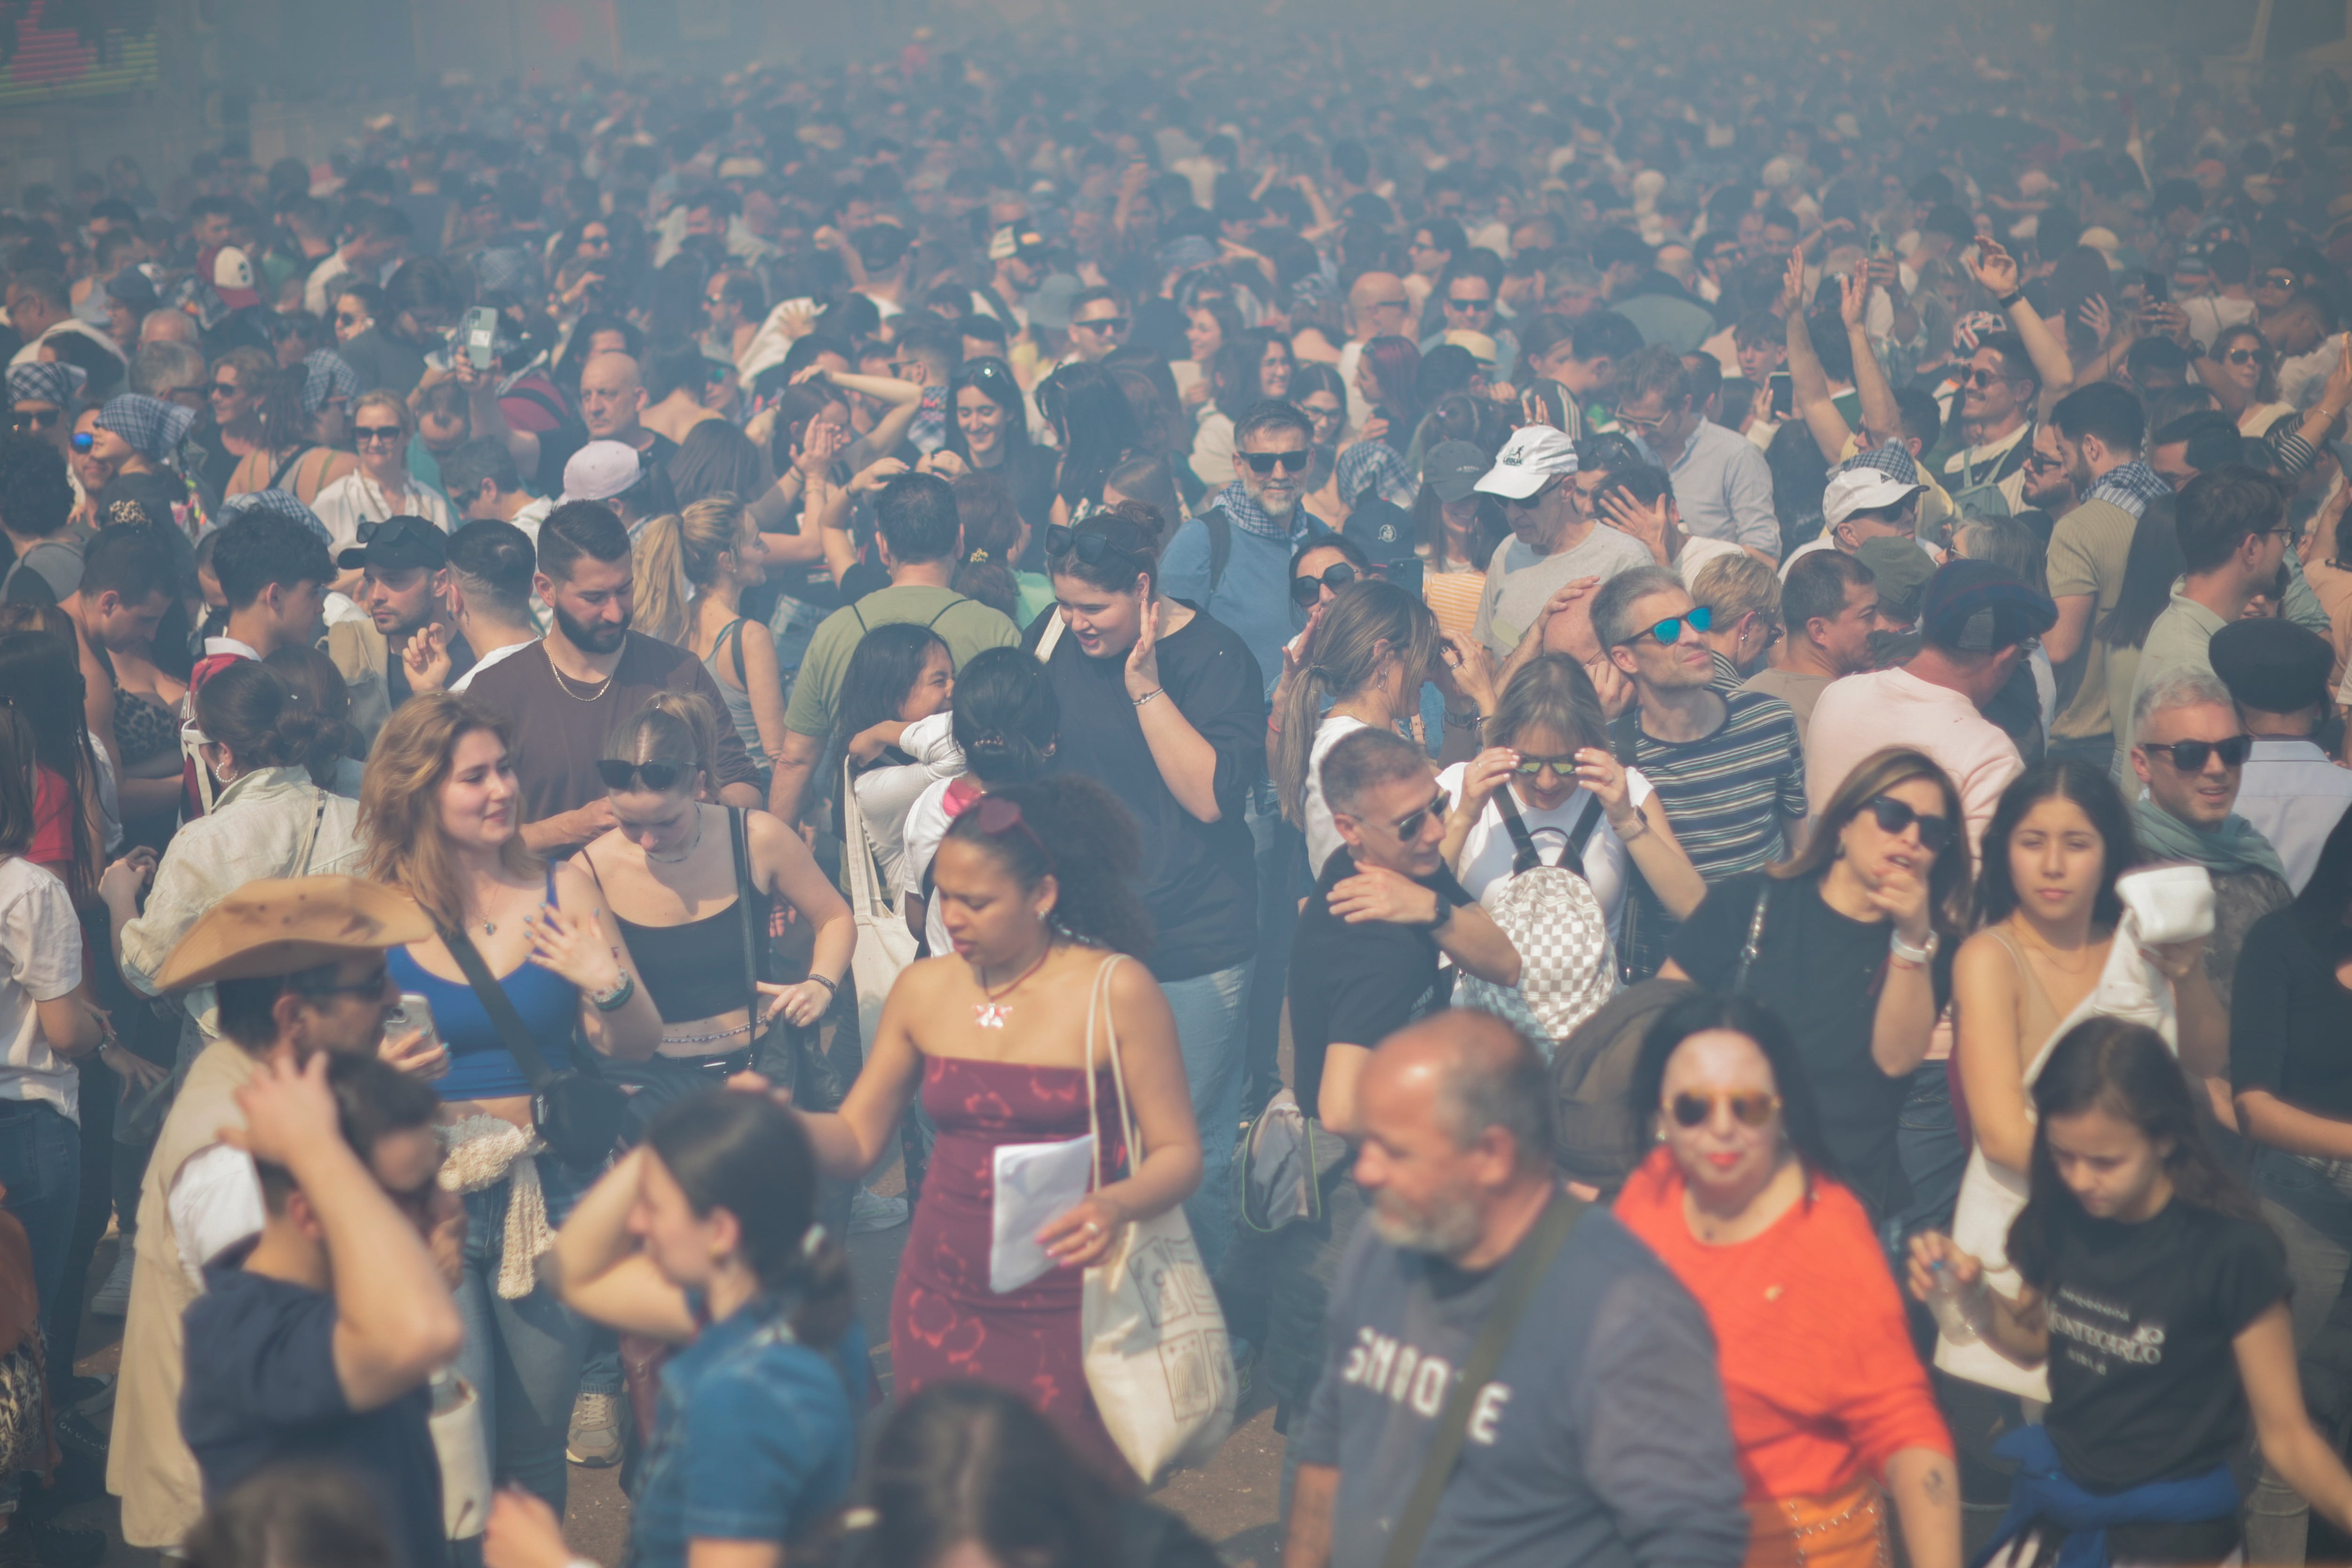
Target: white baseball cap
[[601, 470], [1530, 459], [1862, 489], [233, 278]]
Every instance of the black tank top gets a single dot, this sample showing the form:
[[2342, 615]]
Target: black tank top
[[691, 971]]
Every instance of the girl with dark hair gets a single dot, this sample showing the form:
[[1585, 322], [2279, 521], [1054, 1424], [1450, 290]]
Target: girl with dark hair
[[1095, 427], [705, 1237], [1376, 463], [892, 725], [995, 541], [2151, 566], [1211, 321], [314, 680], [1830, 1408], [1003, 730], [1251, 368], [41, 679], [1166, 707], [965, 1467], [291, 454], [716, 458], [1372, 646], [990, 431], [1318, 392], [1852, 945], [999, 1038], [2156, 1297]]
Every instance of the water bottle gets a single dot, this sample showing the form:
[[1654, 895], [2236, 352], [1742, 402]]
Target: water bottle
[[1944, 1300]]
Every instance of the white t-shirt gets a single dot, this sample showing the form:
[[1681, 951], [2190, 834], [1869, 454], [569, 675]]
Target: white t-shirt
[[214, 1204], [485, 662], [888, 796], [40, 961], [927, 824], [1488, 852], [1322, 833]]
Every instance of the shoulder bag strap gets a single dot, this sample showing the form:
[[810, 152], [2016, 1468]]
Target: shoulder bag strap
[[310, 839], [276, 480], [1051, 638], [499, 1006], [1755, 938], [1099, 1002], [744, 893], [1581, 834], [1527, 857], [1526, 1269]]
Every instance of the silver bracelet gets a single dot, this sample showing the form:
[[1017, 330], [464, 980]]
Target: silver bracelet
[[1147, 696]]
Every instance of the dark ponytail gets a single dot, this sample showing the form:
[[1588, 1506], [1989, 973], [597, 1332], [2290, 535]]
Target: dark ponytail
[[1006, 717], [264, 722], [1094, 859], [313, 676], [747, 1154]]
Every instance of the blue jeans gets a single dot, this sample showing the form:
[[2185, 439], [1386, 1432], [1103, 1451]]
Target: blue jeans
[[1281, 860], [522, 1357], [1211, 1033], [40, 1165]]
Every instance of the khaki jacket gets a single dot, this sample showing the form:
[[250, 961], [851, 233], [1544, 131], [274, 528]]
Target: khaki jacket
[[361, 652]]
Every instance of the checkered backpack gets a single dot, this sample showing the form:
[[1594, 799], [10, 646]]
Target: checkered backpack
[[1567, 967]]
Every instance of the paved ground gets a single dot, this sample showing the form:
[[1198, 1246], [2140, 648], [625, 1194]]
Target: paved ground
[[1231, 1500]]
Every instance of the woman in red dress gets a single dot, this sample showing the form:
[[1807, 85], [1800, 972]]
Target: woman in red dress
[[1035, 887]]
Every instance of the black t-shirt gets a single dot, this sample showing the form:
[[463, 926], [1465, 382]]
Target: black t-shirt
[[395, 669], [1199, 879], [1820, 974], [2143, 1375], [2290, 1019], [261, 1389], [1358, 983]]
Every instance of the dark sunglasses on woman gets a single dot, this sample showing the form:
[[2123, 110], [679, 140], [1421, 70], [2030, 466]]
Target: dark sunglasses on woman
[[1304, 591], [656, 776], [1753, 1108], [1894, 816]]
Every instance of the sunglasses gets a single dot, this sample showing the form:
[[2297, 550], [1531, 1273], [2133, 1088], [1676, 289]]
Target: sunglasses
[[2243, 356], [1062, 539], [1982, 378], [1453, 305], [1561, 767], [656, 776], [345, 319], [1305, 591], [36, 418], [224, 389], [1894, 816], [2276, 280], [1263, 463], [1751, 1108], [2042, 465], [1669, 631], [2191, 756], [1112, 325], [81, 440], [1408, 826], [375, 432]]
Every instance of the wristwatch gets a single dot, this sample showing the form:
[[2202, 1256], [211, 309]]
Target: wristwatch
[[1904, 953], [1446, 905]]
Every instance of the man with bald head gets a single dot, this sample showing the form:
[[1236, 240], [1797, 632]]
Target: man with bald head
[[1602, 1436], [1377, 307], [613, 404]]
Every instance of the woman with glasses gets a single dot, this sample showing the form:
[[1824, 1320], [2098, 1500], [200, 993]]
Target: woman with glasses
[[440, 815], [1036, 885], [1547, 744], [1318, 392], [1385, 376], [1850, 944], [1211, 321], [1831, 1411], [381, 486], [291, 452], [1252, 367], [2240, 371], [989, 430], [1165, 706], [240, 378]]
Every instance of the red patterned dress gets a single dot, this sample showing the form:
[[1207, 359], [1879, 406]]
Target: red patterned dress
[[945, 1322]]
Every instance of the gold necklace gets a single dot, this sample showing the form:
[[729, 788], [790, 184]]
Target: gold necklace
[[564, 684], [688, 853]]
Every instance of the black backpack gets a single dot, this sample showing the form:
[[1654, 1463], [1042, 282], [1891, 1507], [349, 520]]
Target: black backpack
[[1598, 1136]]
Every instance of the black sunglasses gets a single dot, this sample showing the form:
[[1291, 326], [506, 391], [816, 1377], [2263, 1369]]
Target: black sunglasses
[[1062, 539], [1408, 826], [375, 433], [36, 418], [656, 776], [2189, 756], [1263, 463], [1453, 305], [1113, 324], [224, 389], [1304, 591], [1894, 816]]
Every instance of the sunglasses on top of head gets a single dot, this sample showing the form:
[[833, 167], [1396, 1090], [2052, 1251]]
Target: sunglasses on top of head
[[1263, 463], [1094, 549], [656, 776], [1669, 631], [1894, 816], [1305, 591]]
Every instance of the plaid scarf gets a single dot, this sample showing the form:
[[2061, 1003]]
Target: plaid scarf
[[1251, 517], [2130, 487]]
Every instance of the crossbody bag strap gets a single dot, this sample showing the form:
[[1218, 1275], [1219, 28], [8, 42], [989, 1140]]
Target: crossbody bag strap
[[1527, 857], [1526, 1272], [499, 1006], [740, 841], [1755, 941]]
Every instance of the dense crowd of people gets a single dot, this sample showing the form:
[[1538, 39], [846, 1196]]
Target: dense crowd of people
[[1623, 775]]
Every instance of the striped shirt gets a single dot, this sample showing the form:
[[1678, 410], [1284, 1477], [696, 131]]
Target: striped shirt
[[1726, 796]]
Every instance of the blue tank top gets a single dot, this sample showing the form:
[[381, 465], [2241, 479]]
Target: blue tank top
[[480, 1066]]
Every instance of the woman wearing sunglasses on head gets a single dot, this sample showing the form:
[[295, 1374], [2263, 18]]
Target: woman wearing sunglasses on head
[[1850, 944], [991, 431], [1830, 1408]]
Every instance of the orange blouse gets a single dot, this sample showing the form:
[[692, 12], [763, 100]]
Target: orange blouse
[[1818, 1370]]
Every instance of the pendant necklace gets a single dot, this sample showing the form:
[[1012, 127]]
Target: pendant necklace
[[991, 1014]]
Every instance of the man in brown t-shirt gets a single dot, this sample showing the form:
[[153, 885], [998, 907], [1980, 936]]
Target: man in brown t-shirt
[[566, 694]]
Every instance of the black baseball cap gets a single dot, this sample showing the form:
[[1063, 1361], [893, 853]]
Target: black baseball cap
[[398, 545]]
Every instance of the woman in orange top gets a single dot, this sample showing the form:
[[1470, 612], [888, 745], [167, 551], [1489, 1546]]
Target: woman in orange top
[[1828, 1402]]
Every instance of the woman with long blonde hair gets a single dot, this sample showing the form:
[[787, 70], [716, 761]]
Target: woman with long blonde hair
[[691, 570], [439, 809]]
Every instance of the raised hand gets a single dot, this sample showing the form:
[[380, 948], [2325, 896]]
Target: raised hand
[[1143, 659], [425, 658], [1994, 267]]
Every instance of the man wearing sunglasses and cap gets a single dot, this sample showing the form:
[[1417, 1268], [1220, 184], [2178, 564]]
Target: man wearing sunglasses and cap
[[405, 590], [297, 965], [1976, 622], [1554, 540]]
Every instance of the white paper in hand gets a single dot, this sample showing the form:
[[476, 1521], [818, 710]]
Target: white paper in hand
[[1036, 1184]]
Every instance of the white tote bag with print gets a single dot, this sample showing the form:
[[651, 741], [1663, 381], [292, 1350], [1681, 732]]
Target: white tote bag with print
[[1156, 1357], [884, 945]]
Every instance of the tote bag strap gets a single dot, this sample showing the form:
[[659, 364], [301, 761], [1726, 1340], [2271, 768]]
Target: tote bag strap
[[1051, 638], [858, 851], [1099, 1002]]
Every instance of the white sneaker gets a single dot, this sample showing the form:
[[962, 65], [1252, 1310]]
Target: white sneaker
[[113, 1298], [870, 1212]]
